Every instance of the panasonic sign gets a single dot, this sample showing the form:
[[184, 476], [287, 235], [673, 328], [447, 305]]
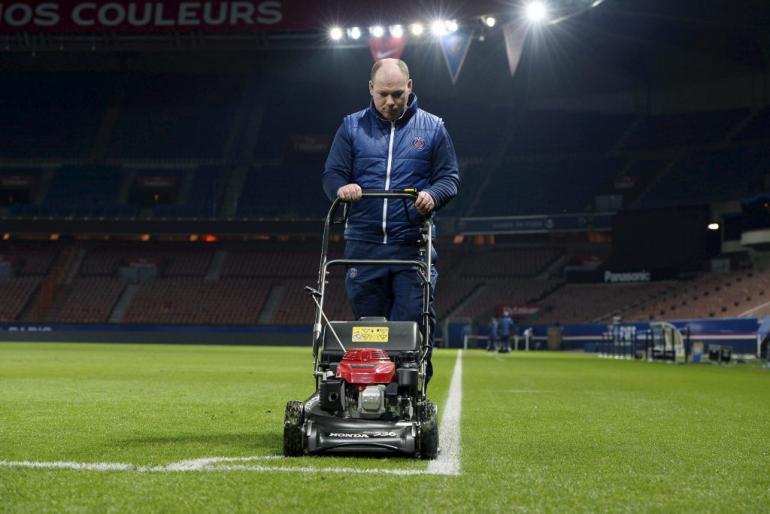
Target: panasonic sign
[[630, 276]]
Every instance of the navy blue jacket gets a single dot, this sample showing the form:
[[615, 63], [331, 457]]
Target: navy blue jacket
[[414, 151], [506, 326]]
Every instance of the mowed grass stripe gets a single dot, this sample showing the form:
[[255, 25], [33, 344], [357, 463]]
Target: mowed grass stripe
[[540, 432]]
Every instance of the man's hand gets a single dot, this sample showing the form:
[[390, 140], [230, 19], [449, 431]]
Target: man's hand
[[349, 193], [424, 203]]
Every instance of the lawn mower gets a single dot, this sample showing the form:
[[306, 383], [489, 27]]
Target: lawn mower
[[370, 389]]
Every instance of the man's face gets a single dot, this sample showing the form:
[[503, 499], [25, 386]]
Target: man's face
[[390, 91]]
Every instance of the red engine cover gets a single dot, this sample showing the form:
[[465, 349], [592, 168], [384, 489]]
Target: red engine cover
[[366, 366]]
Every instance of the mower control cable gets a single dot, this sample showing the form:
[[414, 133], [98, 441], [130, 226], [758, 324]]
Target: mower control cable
[[314, 293]]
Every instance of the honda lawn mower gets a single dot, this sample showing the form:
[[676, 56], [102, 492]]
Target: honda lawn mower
[[370, 388]]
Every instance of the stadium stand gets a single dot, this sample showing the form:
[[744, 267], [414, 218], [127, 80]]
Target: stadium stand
[[95, 187], [701, 178], [450, 292], [91, 300], [174, 115], [522, 187], [502, 261], [300, 192], [472, 135], [758, 129], [79, 101], [506, 291], [544, 161], [684, 129], [584, 303], [297, 308], [275, 260], [709, 295], [28, 259], [15, 294], [186, 300], [106, 260], [562, 132]]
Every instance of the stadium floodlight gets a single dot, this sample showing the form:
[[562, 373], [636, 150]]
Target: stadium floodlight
[[335, 33], [377, 31], [713, 226], [438, 28], [417, 29], [489, 21], [536, 11], [396, 30], [354, 33], [451, 25]]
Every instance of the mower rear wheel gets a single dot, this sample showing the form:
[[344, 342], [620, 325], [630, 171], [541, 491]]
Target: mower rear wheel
[[429, 431], [292, 429]]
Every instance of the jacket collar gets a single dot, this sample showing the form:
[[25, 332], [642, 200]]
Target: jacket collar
[[411, 108]]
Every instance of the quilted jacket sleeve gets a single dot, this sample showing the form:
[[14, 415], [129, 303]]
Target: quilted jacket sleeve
[[445, 175]]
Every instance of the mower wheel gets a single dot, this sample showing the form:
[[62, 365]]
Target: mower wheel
[[429, 431], [292, 429]]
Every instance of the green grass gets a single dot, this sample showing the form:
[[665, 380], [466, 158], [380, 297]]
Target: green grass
[[540, 432]]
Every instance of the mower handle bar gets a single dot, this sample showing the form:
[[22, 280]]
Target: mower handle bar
[[369, 194]]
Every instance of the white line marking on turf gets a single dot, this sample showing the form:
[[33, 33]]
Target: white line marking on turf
[[447, 463], [208, 462], [78, 466]]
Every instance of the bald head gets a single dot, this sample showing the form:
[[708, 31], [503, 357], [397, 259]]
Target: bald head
[[390, 87], [390, 66]]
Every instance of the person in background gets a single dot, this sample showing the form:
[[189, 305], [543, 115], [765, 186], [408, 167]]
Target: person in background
[[492, 341], [505, 328]]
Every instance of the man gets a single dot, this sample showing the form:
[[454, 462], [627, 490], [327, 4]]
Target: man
[[390, 145], [506, 327], [492, 341]]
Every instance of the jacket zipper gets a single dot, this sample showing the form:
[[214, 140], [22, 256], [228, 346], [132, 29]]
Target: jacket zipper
[[387, 184]]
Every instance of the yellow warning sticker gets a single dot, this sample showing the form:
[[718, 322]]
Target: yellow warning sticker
[[370, 334]]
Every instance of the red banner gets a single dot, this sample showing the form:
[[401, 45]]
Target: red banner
[[388, 47], [517, 310], [221, 15]]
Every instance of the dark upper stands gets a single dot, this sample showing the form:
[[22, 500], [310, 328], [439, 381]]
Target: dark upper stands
[[174, 115], [515, 162], [545, 187], [43, 119], [288, 191], [758, 128], [684, 129], [701, 178], [563, 132]]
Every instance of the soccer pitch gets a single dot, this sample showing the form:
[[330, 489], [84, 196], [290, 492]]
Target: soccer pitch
[[123, 428]]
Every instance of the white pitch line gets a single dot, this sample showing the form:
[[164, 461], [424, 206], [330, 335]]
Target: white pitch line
[[78, 466], [448, 461], [207, 462]]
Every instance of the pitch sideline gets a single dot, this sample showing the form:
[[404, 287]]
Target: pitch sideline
[[447, 463]]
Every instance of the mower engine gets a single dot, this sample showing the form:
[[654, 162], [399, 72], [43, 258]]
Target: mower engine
[[364, 387]]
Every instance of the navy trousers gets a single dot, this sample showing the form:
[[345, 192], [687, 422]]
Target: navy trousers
[[395, 292]]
